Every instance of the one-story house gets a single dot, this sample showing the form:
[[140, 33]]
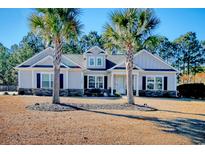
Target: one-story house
[[81, 74]]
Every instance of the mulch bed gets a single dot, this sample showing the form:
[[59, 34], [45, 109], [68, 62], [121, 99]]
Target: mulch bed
[[72, 107]]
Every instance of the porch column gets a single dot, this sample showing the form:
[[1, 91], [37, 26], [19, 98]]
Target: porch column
[[134, 81], [33, 79], [82, 80], [66, 80], [112, 83], [137, 86]]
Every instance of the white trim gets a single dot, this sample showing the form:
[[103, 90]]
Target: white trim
[[155, 76], [34, 56], [117, 72], [175, 83], [158, 58], [112, 84], [32, 77], [93, 48], [88, 87], [101, 58], [45, 69], [91, 57], [44, 59], [125, 66], [66, 80], [19, 79], [47, 73], [82, 81], [137, 85], [171, 72]]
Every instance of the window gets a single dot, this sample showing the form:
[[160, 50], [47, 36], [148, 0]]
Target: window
[[47, 81], [99, 61], [154, 83], [91, 81], [91, 61], [158, 83], [95, 82], [99, 82], [150, 83]]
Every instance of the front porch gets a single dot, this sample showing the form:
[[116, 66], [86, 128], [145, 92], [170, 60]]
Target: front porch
[[118, 82]]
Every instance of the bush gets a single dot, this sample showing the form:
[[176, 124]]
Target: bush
[[21, 92], [6, 93], [94, 92], [193, 90], [117, 94]]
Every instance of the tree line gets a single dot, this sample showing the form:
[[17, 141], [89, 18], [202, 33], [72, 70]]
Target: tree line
[[186, 53]]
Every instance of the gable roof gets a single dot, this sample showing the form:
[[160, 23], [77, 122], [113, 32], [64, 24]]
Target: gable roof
[[95, 50], [157, 59], [49, 63], [38, 56], [112, 61], [48, 52]]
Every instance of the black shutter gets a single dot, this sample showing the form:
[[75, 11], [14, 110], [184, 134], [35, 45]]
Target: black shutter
[[105, 82], [85, 82], [38, 80], [165, 82], [61, 81], [144, 83]]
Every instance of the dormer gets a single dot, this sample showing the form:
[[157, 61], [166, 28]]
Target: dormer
[[95, 58]]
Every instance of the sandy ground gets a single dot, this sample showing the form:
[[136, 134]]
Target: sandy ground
[[177, 122]]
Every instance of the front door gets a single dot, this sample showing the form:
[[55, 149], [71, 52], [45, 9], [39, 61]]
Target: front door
[[120, 84]]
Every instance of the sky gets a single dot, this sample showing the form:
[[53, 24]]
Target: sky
[[173, 23]]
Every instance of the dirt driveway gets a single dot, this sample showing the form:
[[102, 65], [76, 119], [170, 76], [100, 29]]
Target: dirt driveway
[[177, 122]]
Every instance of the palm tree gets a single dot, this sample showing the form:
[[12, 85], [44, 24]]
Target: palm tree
[[127, 30], [56, 26]]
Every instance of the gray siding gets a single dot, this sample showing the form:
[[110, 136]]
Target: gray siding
[[171, 79], [25, 79], [75, 80], [146, 61]]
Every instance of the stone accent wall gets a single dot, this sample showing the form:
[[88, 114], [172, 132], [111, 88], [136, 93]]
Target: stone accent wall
[[48, 92], [75, 92], [97, 92], [157, 93]]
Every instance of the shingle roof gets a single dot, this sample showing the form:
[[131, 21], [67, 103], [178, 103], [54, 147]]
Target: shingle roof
[[76, 58], [111, 60]]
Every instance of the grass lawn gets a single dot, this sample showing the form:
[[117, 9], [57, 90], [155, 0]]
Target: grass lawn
[[176, 122]]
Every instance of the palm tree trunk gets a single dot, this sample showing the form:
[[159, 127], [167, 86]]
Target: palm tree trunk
[[129, 68], [56, 77]]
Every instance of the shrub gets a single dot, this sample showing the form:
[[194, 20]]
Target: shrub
[[21, 92], [193, 90], [117, 94], [94, 92], [6, 93]]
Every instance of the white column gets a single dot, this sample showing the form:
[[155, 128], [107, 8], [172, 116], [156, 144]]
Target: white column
[[33, 78], [19, 79], [66, 79], [137, 85], [82, 80], [112, 83]]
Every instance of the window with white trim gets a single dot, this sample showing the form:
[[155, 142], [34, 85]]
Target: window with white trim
[[91, 80], [154, 83], [47, 81], [99, 61], [158, 83], [95, 82], [99, 82], [150, 83], [91, 61]]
